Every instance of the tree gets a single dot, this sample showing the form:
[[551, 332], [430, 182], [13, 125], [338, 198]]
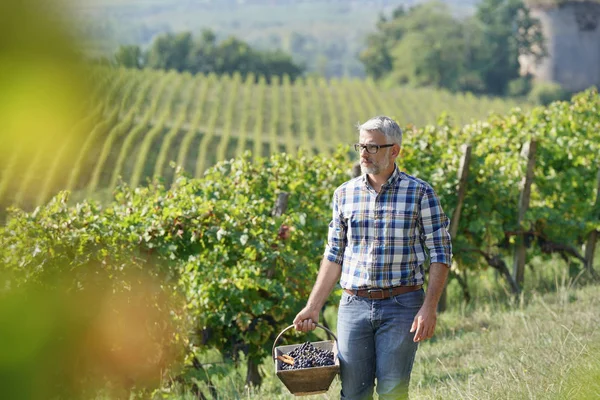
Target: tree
[[129, 56], [423, 46], [235, 55], [431, 52], [278, 63], [170, 51], [376, 57], [201, 58], [426, 46], [508, 31]]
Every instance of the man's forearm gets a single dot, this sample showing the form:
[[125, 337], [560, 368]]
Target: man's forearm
[[438, 273], [329, 274]]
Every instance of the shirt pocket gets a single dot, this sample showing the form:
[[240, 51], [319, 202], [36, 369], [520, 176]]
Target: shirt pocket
[[360, 227], [400, 227]]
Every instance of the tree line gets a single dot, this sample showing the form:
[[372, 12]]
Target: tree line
[[184, 53]]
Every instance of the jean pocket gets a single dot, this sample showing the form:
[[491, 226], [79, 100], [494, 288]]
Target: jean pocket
[[411, 299], [346, 299]]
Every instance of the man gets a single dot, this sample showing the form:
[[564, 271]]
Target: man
[[382, 222]]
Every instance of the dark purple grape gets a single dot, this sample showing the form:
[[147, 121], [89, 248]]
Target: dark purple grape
[[308, 356]]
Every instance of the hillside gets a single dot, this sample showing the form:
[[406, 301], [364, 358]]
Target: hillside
[[141, 121]]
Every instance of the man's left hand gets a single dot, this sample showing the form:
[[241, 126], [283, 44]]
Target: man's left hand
[[424, 323]]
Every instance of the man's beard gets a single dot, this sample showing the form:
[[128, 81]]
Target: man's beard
[[375, 168]]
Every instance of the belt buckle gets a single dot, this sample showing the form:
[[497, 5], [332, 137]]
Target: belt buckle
[[370, 291]]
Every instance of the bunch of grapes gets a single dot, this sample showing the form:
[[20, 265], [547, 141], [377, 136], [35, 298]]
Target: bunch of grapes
[[308, 356]]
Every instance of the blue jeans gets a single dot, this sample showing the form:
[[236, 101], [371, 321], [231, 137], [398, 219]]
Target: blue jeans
[[375, 342]]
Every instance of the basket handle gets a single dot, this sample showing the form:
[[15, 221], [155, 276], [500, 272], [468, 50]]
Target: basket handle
[[291, 326]]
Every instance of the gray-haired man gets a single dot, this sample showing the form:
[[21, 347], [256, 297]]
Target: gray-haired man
[[382, 223]]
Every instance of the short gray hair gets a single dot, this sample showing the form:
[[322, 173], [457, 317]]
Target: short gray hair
[[385, 125]]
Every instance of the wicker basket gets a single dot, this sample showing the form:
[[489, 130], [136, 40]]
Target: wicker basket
[[307, 381]]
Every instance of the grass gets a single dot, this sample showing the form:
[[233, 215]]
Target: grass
[[543, 345], [530, 352]]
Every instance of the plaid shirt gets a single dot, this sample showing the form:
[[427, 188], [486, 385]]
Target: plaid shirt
[[379, 238]]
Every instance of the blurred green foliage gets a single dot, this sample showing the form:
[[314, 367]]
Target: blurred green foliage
[[161, 273]]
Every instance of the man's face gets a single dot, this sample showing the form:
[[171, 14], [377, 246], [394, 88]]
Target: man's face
[[379, 162]]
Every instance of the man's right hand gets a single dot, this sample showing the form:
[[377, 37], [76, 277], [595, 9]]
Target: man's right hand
[[306, 319], [329, 274]]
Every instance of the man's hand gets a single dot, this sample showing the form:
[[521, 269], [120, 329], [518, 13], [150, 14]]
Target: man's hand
[[306, 319], [424, 323], [425, 320]]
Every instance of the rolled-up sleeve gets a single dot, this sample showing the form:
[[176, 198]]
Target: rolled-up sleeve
[[336, 236], [435, 228]]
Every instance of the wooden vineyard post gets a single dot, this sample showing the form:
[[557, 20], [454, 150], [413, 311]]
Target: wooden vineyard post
[[281, 204], [520, 250], [463, 173], [590, 246]]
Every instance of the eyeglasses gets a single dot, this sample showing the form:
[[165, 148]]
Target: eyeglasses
[[371, 148]]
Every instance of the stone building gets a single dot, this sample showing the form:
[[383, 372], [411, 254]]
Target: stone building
[[572, 33]]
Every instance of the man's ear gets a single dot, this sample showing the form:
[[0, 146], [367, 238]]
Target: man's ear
[[396, 150]]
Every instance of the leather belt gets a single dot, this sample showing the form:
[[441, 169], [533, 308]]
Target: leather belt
[[378, 293]]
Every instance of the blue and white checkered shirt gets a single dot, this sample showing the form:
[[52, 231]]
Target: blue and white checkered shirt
[[380, 238]]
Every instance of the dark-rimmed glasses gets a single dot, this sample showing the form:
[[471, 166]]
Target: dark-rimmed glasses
[[371, 148]]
